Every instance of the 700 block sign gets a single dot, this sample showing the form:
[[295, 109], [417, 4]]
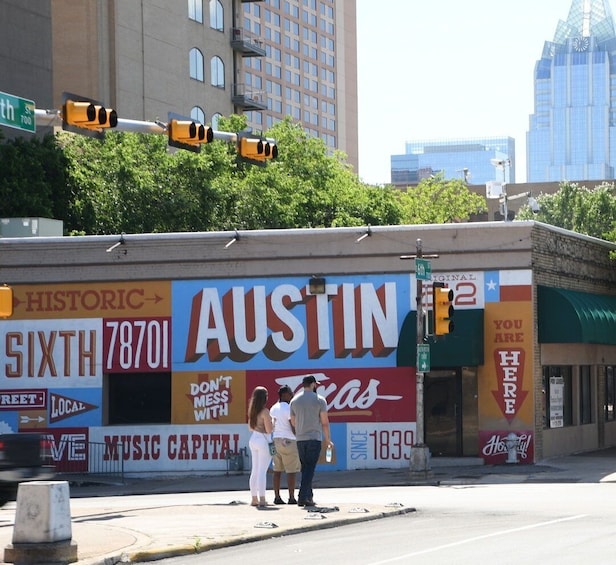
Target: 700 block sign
[[17, 112]]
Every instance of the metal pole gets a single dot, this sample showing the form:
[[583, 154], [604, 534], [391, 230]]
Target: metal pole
[[419, 440], [420, 454], [48, 118], [505, 210]]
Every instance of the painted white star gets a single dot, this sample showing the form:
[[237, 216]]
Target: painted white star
[[492, 285]]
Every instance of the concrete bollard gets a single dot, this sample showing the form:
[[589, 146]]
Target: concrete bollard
[[42, 532]]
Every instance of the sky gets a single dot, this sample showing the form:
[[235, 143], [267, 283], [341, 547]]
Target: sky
[[434, 69]]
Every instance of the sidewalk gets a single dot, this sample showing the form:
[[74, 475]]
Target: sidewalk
[[214, 511]]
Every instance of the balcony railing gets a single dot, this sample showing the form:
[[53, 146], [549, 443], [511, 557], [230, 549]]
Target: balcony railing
[[246, 43], [248, 99]]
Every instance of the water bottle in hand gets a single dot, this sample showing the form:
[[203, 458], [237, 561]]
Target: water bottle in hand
[[328, 453]]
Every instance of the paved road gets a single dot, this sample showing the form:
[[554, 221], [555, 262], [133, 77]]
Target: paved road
[[505, 524], [145, 520]]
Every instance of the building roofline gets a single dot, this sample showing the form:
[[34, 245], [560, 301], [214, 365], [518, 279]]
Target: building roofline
[[281, 233]]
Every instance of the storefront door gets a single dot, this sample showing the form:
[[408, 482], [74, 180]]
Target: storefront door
[[443, 413]]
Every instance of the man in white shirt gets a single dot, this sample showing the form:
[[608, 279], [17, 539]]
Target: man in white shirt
[[286, 458]]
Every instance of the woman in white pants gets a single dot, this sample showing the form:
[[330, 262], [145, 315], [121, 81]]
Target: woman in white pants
[[260, 423]]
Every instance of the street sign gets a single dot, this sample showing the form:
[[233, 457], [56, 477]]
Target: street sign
[[423, 269], [17, 112], [423, 357]]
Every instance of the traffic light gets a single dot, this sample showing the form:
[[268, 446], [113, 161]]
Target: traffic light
[[257, 150], [6, 301], [87, 115], [442, 309], [188, 134]]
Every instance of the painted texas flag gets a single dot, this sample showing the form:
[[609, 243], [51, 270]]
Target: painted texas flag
[[508, 286]]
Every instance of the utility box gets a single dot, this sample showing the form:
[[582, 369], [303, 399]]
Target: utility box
[[494, 189], [30, 227]]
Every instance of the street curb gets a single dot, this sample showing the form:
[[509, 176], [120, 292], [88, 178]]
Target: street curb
[[142, 556]]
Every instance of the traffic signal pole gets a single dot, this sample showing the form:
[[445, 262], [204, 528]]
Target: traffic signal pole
[[51, 118], [420, 468]]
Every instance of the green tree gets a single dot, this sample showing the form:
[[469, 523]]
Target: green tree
[[437, 200], [132, 183], [135, 183], [32, 178], [576, 208], [305, 187]]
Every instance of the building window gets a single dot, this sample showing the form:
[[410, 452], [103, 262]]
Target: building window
[[610, 394], [217, 15], [196, 64], [195, 10], [557, 397], [217, 68], [215, 120], [198, 114], [139, 398], [585, 395]]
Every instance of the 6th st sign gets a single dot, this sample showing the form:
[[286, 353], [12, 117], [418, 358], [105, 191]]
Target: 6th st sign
[[18, 113], [423, 269]]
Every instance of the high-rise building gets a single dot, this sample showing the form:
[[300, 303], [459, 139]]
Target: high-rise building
[[572, 132], [467, 158], [199, 58], [310, 70]]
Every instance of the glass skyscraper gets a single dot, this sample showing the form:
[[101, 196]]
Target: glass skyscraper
[[468, 158], [572, 133]]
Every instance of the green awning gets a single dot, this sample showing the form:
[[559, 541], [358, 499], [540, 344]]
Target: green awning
[[462, 348], [567, 316]]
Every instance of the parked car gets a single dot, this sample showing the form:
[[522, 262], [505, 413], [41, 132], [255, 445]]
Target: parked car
[[23, 457]]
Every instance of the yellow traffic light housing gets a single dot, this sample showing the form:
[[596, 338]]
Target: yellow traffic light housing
[[86, 116], [188, 134], [442, 309], [6, 301], [256, 150], [252, 149]]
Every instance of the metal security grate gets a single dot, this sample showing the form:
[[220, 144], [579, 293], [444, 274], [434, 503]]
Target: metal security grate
[[86, 459]]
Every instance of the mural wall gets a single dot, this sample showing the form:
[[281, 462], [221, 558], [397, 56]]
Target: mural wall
[[506, 379], [69, 346]]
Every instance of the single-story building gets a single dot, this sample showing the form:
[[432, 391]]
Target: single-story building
[[149, 345]]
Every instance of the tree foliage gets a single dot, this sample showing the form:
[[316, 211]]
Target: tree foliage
[[134, 183], [131, 183], [439, 201], [33, 179], [577, 208]]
